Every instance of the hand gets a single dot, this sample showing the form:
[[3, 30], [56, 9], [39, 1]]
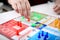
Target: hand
[[21, 6], [57, 7]]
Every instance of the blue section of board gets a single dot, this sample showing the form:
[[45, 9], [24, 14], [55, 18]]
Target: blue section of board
[[44, 36]]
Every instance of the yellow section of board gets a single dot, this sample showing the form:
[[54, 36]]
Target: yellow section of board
[[55, 23]]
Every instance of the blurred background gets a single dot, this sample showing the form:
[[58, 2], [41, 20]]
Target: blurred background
[[4, 5]]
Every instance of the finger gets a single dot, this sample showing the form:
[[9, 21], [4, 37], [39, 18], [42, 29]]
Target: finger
[[21, 2], [57, 8], [19, 7], [14, 6], [25, 14], [58, 12], [24, 8], [27, 9]]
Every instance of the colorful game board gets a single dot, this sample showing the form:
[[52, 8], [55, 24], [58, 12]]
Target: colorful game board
[[40, 27]]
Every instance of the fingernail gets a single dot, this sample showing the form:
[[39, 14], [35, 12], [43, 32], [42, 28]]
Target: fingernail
[[28, 19]]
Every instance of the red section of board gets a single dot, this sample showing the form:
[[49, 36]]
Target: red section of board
[[12, 28]]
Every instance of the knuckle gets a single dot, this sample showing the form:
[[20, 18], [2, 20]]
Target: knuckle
[[20, 8], [28, 8], [23, 8]]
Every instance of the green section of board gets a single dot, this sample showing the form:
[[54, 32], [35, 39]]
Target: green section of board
[[37, 16]]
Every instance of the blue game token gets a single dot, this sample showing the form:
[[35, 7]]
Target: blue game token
[[44, 25], [46, 35], [39, 36], [42, 33], [45, 38]]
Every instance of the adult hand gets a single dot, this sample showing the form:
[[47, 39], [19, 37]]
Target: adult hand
[[57, 6], [21, 6]]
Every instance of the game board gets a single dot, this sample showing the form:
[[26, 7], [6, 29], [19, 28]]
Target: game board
[[40, 27]]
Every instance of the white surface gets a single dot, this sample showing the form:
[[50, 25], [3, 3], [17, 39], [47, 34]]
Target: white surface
[[4, 17], [44, 8]]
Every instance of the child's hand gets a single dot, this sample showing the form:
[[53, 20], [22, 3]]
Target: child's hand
[[57, 7], [21, 6]]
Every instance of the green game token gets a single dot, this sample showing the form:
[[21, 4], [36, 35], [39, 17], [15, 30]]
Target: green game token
[[33, 25]]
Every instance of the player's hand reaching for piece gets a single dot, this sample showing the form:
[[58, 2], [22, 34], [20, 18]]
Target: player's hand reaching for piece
[[57, 7], [21, 6]]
